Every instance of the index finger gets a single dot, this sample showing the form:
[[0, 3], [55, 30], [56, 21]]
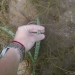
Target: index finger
[[35, 28]]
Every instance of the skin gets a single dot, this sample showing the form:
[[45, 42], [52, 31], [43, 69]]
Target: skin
[[27, 36], [9, 63]]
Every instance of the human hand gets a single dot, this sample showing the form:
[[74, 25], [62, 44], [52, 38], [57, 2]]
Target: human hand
[[27, 35]]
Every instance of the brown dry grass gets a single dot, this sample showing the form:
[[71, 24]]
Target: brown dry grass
[[56, 56]]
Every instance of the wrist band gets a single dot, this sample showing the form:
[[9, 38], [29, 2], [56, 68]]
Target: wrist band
[[18, 43], [15, 45], [22, 49]]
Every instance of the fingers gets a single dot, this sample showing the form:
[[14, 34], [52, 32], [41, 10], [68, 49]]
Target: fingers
[[38, 37], [34, 28]]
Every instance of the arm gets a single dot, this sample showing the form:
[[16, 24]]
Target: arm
[[9, 63], [27, 36]]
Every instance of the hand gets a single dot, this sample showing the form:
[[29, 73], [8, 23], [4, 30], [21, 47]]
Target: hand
[[27, 35]]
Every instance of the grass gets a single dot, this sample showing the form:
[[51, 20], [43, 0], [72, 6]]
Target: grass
[[51, 53], [54, 58], [44, 10]]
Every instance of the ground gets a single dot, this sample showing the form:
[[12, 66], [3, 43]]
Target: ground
[[57, 52]]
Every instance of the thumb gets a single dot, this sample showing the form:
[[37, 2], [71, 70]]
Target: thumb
[[39, 37]]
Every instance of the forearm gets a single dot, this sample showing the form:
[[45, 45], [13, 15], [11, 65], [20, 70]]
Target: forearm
[[9, 63]]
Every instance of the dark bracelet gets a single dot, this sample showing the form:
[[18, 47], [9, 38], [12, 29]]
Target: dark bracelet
[[15, 45], [21, 48]]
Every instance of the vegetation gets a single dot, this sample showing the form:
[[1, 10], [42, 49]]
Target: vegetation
[[56, 57]]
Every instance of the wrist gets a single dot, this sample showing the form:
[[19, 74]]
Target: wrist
[[21, 42], [18, 43], [16, 46]]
